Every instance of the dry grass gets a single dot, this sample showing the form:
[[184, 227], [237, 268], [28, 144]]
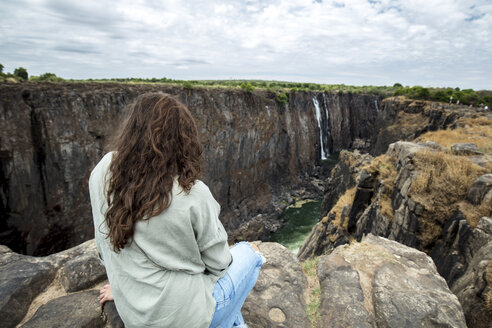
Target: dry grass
[[472, 212], [313, 293], [344, 200], [471, 130], [383, 168], [441, 186]]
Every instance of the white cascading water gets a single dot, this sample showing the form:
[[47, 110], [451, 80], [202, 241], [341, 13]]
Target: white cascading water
[[318, 116], [327, 132], [376, 103]]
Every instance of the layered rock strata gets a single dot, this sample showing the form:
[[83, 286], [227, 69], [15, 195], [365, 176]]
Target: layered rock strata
[[390, 200], [257, 152]]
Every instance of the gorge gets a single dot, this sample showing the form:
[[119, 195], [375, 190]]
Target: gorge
[[258, 153]]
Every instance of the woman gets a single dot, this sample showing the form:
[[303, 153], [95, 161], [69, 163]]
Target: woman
[[157, 229]]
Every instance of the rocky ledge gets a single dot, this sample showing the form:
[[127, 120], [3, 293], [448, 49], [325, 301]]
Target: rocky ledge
[[374, 283], [381, 283], [423, 195]]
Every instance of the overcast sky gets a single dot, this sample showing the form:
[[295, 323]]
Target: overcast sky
[[358, 42]]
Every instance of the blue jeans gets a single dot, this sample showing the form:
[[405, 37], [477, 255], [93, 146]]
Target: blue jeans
[[231, 291]]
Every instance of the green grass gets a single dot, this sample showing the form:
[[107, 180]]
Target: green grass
[[314, 297], [309, 266], [312, 309]]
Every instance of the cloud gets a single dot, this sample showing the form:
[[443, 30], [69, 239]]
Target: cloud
[[425, 42]]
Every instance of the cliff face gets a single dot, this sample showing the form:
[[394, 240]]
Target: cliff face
[[256, 151]]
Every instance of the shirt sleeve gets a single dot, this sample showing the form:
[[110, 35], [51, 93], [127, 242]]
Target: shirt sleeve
[[210, 235]]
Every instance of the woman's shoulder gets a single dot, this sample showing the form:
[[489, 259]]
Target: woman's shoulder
[[102, 165], [199, 188]]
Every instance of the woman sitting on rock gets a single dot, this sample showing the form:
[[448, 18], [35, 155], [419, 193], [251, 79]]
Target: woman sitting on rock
[[157, 226]]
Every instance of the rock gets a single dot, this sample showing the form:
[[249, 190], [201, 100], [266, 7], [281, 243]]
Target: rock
[[362, 198], [381, 283], [113, 319], [474, 289], [465, 149], [83, 271], [481, 190], [21, 280], [342, 298], [343, 177], [277, 299], [406, 119], [458, 244], [75, 310]]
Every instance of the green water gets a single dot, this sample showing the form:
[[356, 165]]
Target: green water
[[299, 223]]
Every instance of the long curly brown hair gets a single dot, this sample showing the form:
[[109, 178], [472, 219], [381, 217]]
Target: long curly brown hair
[[157, 142]]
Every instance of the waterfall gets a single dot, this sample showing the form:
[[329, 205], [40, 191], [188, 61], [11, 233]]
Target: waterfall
[[318, 116], [376, 103], [327, 124]]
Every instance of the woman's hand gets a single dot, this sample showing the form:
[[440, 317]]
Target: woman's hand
[[105, 294]]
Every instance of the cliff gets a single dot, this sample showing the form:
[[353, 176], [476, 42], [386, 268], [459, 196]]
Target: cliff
[[257, 152], [433, 197]]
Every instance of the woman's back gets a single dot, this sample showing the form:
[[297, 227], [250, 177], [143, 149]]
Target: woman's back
[[165, 275]]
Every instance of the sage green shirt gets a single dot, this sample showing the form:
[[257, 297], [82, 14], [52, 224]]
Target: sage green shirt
[[165, 277]]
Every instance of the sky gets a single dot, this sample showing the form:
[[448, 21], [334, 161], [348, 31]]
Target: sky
[[357, 42]]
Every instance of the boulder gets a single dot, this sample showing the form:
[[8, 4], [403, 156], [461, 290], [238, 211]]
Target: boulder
[[75, 310], [458, 244], [465, 149], [22, 278], [381, 283], [83, 271], [277, 299], [481, 190], [474, 289]]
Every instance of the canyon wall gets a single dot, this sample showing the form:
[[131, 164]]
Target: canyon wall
[[257, 152]]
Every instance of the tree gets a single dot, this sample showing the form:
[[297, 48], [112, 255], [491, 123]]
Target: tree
[[397, 85], [1, 69], [21, 73]]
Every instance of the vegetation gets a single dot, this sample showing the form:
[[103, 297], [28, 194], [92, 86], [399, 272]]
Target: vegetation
[[469, 130], [383, 168], [346, 199], [21, 73], [465, 97], [46, 77], [313, 293], [281, 89], [247, 86], [441, 186]]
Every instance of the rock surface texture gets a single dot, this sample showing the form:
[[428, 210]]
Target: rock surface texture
[[384, 203], [61, 290], [256, 151], [381, 283], [277, 299]]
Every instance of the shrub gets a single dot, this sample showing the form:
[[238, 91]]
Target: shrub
[[50, 77], [282, 98], [188, 85], [21, 73], [247, 86]]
